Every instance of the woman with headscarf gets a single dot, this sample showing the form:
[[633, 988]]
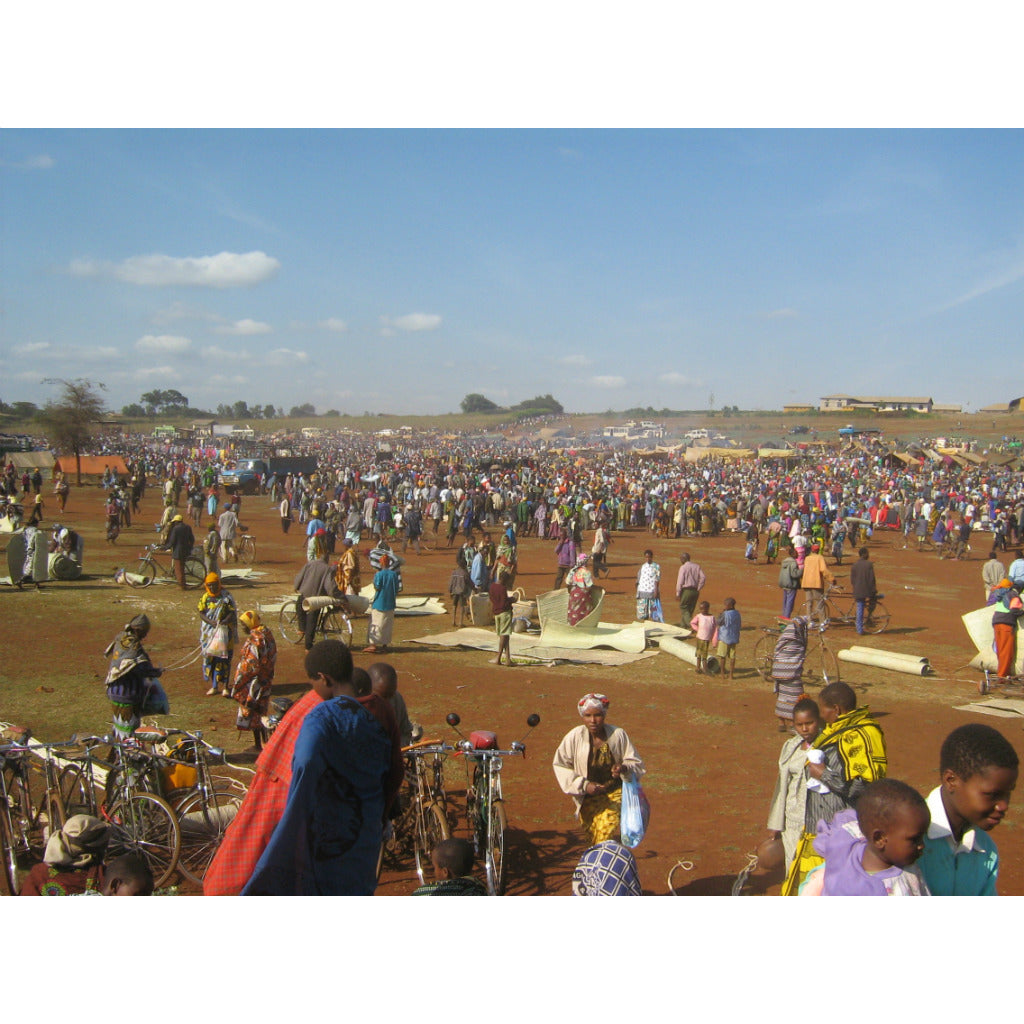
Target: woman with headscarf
[[590, 764], [580, 583], [788, 669], [130, 669], [1007, 608], [218, 622], [254, 676]]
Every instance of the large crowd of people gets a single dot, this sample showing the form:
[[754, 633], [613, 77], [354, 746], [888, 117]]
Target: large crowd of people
[[322, 784]]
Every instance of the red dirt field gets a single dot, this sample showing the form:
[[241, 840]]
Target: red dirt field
[[710, 745]]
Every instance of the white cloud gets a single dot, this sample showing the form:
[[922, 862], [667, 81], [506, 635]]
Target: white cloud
[[225, 270], [182, 311], [285, 357], [608, 381], [244, 327], [1000, 279], [575, 360], [163, 343], [675, 377], [30, 348], [413, 322], [333, 323], [166, 372], [40, 162], [216, 352], [100, 352]]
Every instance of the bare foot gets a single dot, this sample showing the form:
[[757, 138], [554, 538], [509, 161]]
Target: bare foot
[[494, 661]]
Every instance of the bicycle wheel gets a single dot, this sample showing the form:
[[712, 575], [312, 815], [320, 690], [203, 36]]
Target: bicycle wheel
[[431, 829], [878, 620], [75, 793], [288, 621], [10, 855], [195, 573], [495, 854], [821, 667], [145, 573], [764, 656], [247, 550], [336, 625], [203, 819], [144, 823]]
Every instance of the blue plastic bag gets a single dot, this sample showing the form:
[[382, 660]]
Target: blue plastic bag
[[635, 814]]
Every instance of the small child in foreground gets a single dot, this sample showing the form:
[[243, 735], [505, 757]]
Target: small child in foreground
[[978, 772], [453, 865], [703, 625], [729, 625], [871, 851]]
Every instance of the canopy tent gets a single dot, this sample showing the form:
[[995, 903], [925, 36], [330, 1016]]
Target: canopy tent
[[699, 454], [92, 465], [31, 460]]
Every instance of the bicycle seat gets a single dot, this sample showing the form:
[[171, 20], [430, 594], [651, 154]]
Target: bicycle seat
[[483, 740]]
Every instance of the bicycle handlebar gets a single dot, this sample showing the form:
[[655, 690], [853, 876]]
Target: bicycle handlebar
[[466, 747]]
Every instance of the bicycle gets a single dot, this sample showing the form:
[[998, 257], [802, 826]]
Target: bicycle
[[423, 820], [206, 807], [142, 821], [333, 622], [151, 567], [876, 615], [485, 805], [824, 667], [245, 549], [30, 806]]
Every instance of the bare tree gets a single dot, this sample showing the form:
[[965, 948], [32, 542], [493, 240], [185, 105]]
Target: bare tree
[[70, 419]]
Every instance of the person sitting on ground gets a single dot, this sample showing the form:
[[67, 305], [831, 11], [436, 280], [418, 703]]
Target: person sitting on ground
[[453, 865], [72, 860], [607, 869], [127, 875]]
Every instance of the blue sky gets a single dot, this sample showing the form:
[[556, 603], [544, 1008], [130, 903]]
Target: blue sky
[[398, 270]]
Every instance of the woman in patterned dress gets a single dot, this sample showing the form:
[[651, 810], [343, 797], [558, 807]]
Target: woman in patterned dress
[[580, 581], [648, 589], [590, 764], [254, 676]]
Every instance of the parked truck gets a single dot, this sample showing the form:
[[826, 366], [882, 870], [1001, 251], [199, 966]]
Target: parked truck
[[248, 474]]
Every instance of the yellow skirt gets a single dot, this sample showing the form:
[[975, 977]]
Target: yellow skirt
[[601, 815]]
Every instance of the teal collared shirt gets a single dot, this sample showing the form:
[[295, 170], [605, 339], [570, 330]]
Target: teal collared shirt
[[967, 868]]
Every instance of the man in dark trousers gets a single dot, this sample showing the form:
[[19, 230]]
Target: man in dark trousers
[[862, 579], [181, 540]]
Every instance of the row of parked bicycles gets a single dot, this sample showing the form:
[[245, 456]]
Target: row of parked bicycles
[[160, 796], [163, 800], [426, 812]]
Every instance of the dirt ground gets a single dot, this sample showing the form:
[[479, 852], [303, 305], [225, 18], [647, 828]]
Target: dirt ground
[[710, 745]]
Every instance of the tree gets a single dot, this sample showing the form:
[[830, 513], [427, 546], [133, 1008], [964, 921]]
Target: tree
[[240, 410], [25, 410], [477, 403], [306, 409], [69, 420], [133, 411], [268, 412]]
